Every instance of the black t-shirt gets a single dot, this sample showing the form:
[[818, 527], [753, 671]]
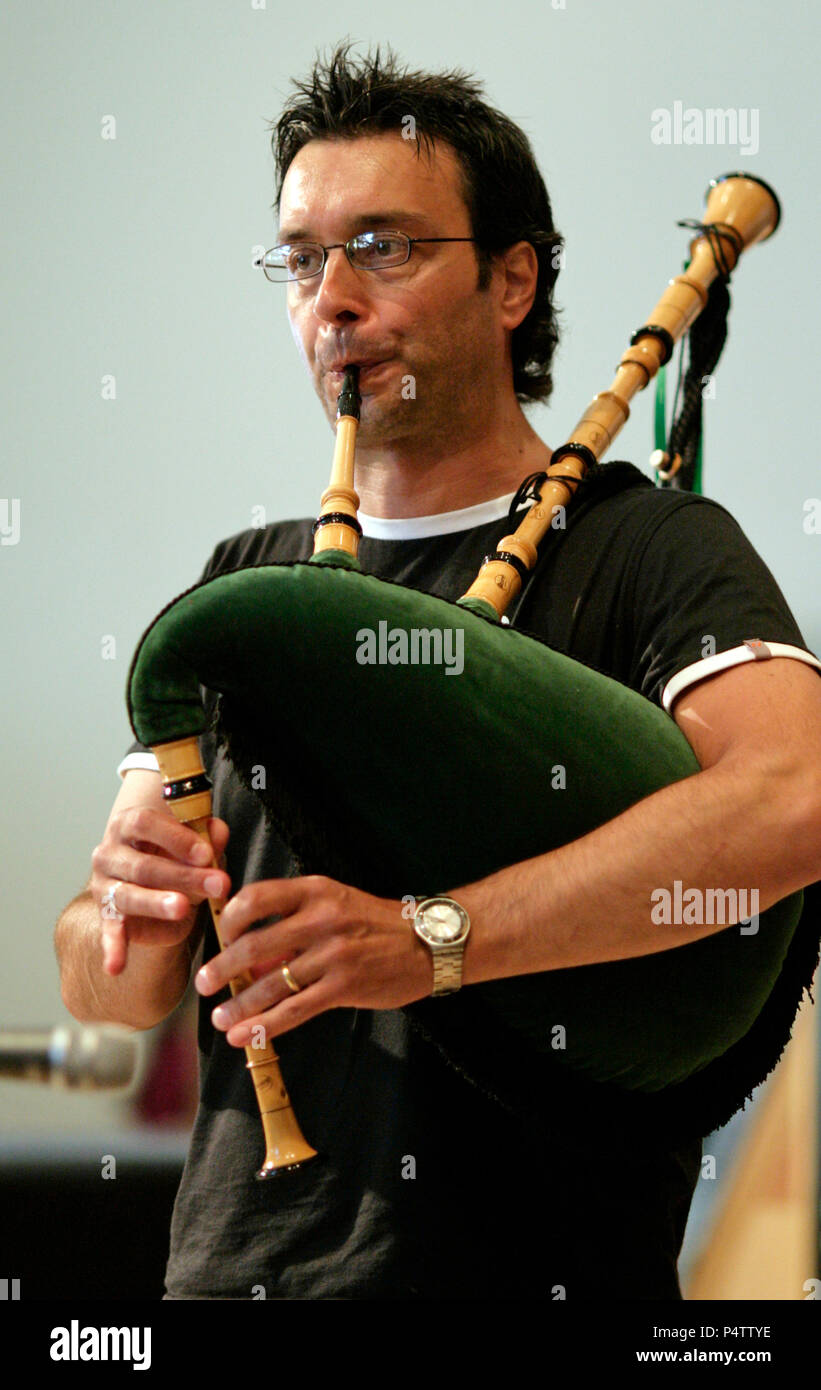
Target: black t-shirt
[[426, 1187]]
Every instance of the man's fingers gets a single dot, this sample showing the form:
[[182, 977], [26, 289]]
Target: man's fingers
[[160, 829], [151, 860], [254, 951], [281, 897], [138, 870], [141, 932], [269, 990], [115, 947], [284, 1015], [134, 901], [219, 834]]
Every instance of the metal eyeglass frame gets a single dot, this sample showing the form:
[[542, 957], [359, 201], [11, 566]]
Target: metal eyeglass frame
[[349, 248]]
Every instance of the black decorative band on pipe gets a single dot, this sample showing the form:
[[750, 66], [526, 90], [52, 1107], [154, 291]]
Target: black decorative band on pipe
[[337, 519], [509, 559], [186, 786], [580, 451], [652, 330]]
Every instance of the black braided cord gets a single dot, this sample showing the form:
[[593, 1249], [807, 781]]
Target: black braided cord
[[706, 341]]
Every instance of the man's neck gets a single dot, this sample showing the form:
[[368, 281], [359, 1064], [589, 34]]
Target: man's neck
[[427, 480]]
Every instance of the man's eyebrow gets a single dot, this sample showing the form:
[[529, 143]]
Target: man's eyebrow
[[398, 219]]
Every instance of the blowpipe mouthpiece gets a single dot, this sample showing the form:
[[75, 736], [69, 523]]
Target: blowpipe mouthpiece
[[349, 399]]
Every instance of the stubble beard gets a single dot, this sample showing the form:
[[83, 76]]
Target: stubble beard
[[435, 417], [393, 419]]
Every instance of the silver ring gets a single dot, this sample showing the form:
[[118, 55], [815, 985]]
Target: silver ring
[[108, 908], [290, 981]]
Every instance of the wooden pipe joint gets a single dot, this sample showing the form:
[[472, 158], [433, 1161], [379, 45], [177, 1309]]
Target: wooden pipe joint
[[523, 549], [337, 498], [645, 354]]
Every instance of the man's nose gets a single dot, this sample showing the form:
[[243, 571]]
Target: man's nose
[[341, 289]]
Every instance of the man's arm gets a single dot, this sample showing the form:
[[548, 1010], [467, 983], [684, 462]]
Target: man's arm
[[136, 972], [751, 818]]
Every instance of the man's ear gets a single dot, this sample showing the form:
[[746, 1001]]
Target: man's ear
[[518, 268]]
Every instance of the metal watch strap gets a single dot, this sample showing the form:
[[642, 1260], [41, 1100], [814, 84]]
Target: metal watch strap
[[447, 968], [447, 957]]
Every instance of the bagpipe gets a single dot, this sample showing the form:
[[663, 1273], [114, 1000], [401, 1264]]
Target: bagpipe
[[393, 812]]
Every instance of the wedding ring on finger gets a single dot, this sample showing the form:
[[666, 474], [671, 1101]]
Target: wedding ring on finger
[[108, 907], [290, 981]]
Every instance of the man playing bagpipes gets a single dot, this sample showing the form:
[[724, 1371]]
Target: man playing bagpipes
[[458, 1157]]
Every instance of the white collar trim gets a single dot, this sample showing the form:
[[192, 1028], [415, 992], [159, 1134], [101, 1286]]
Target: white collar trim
[[411, 528]]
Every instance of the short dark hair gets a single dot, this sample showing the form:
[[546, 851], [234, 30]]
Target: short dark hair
[[505, 194]]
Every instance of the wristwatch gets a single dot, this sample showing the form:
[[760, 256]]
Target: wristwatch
[[443, 925]]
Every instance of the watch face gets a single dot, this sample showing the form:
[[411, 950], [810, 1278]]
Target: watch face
[[443, 921]]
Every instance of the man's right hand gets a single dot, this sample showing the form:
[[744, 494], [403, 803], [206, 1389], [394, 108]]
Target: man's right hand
[[163, 871]]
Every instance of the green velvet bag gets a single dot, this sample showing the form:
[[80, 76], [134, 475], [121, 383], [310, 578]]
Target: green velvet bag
[[411, 746]]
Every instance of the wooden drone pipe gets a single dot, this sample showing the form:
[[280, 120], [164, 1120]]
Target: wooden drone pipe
[[740, 211]]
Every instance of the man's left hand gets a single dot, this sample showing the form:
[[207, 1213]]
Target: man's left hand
[[344, 948]]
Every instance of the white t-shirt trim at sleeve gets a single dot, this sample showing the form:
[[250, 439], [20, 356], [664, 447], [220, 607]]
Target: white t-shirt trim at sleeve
[[143, 760], [752, 650]]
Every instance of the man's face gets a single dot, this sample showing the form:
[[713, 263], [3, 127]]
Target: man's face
[[426, 336]]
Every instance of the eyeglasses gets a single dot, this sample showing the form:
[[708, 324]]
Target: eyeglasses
[[300, 260]]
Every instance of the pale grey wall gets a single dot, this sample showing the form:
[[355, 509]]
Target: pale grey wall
[[132, 257]]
